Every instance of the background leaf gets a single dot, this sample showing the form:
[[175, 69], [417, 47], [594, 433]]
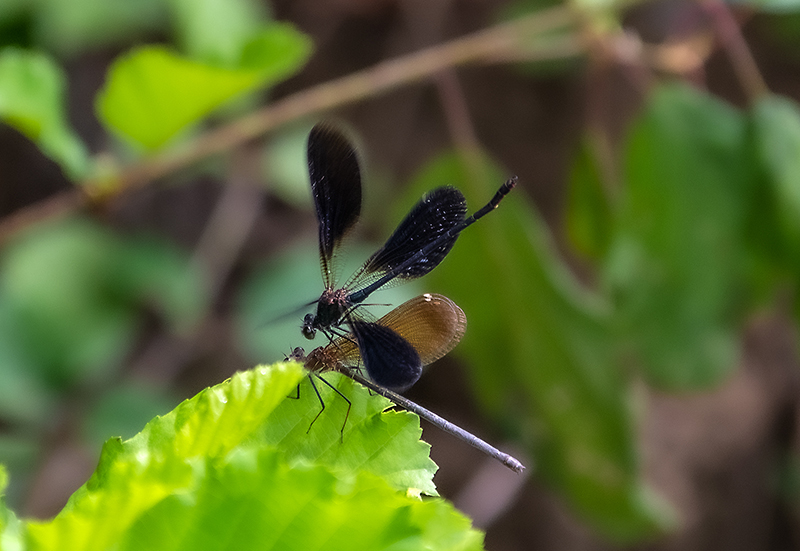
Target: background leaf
[[71, 295], [540, 352], [677, 266], [32, 97], [589, 220], [153, 93], [69, 27], [772, 6], [234, 23], [776, 142]]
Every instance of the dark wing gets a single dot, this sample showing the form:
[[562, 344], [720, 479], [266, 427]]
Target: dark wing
[[336, 188], [431, 323], [424, 227], [389, 359]]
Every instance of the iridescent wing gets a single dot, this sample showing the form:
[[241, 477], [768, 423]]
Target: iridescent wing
[[394, 349], [336, 188]]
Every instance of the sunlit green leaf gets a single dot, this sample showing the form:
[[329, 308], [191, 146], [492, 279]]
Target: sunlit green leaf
[[230, 469], [134, 475], [152, 93], [255, 501], [10, 526], [386, 445], [540, 352], [32, 97], [676, 266]]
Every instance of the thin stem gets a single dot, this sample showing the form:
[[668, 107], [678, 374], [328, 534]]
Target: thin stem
[[52, 208], [735, 45]]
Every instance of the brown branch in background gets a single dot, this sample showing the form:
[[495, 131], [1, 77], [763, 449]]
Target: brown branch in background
[[730, 35], [231, 222], [684, 57], [461, 128], [52, 208], [225, 234], [479, 46], [456, 112], [504, 41]]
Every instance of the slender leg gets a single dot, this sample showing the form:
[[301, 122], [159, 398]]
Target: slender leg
[[321, 401], [349, 404]]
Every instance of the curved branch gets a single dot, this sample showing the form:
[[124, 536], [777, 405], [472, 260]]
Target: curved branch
[[505, 42]]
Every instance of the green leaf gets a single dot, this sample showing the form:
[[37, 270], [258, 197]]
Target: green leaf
[[216, 31], [70, 27], [386, 445], [540, 352], [256, 501], [152, 93], [275, 53], [133, 476], [228, 469], [147, 268], [10, 526], [588, 218], [776, 138], [24, 393], [677, 263], [32, 101]]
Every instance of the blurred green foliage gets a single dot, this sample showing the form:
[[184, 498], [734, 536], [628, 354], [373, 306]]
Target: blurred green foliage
[[70, 293], [676, 268], [32, 98], [67, 28], [588, 217], [72, 298], [702, 227], [541, 353]]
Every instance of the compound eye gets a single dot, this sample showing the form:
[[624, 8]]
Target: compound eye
[[308, 330]]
